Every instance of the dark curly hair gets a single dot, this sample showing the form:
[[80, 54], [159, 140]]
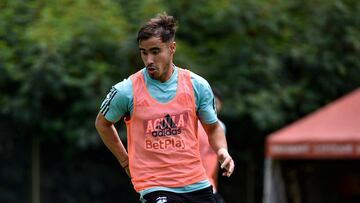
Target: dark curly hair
[[162, 26]]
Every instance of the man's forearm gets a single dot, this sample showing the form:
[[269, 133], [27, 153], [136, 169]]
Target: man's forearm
[[217, 141], [216, 136], [112, 141]]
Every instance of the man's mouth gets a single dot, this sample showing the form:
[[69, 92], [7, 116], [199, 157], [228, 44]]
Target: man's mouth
[[151, 69]]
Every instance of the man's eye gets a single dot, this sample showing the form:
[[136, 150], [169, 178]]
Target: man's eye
[[155, 52]]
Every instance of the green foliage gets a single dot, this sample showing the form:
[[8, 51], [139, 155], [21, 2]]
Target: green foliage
[[60, 23], [274, 60], [56, 67]]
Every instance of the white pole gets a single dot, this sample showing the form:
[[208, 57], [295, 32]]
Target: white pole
[[268, 182]]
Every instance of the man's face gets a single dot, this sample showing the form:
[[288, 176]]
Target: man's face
[[157, 57]]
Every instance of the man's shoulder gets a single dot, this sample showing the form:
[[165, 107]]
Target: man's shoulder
[[198, 81], [126, 83], [197, 78], [123, 85]]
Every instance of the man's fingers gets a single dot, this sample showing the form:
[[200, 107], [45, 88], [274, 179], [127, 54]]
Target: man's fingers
[[228, 165], [231, 168], [225, 162]]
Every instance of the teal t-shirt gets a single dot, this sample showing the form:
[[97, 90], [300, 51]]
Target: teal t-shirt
[[119, 101]]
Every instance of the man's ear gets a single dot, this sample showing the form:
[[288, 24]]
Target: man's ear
[[172, 47]]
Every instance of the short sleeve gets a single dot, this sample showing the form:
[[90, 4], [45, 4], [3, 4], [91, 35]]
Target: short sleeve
[[204, 99], [118, 101]]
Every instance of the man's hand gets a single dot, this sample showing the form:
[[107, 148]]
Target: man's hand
[[226, 162], [127, 170], [125, 166]]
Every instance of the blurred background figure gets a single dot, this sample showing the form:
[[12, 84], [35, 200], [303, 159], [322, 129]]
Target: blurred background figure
[[208, 156]]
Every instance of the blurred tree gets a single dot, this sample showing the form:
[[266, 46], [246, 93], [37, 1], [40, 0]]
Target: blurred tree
[[56, 59], [274, 60]]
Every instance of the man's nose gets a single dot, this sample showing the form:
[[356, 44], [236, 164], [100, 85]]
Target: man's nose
[[150, 59]]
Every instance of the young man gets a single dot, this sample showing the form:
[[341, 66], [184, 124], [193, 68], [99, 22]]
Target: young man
[[208, 155], [162, 105]]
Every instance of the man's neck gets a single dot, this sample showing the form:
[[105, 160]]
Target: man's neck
[[169, 74]]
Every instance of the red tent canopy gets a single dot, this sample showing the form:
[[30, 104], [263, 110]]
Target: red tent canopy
[[330, 132]]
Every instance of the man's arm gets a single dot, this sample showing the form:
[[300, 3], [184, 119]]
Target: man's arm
[[109, 136], [217, 141]]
